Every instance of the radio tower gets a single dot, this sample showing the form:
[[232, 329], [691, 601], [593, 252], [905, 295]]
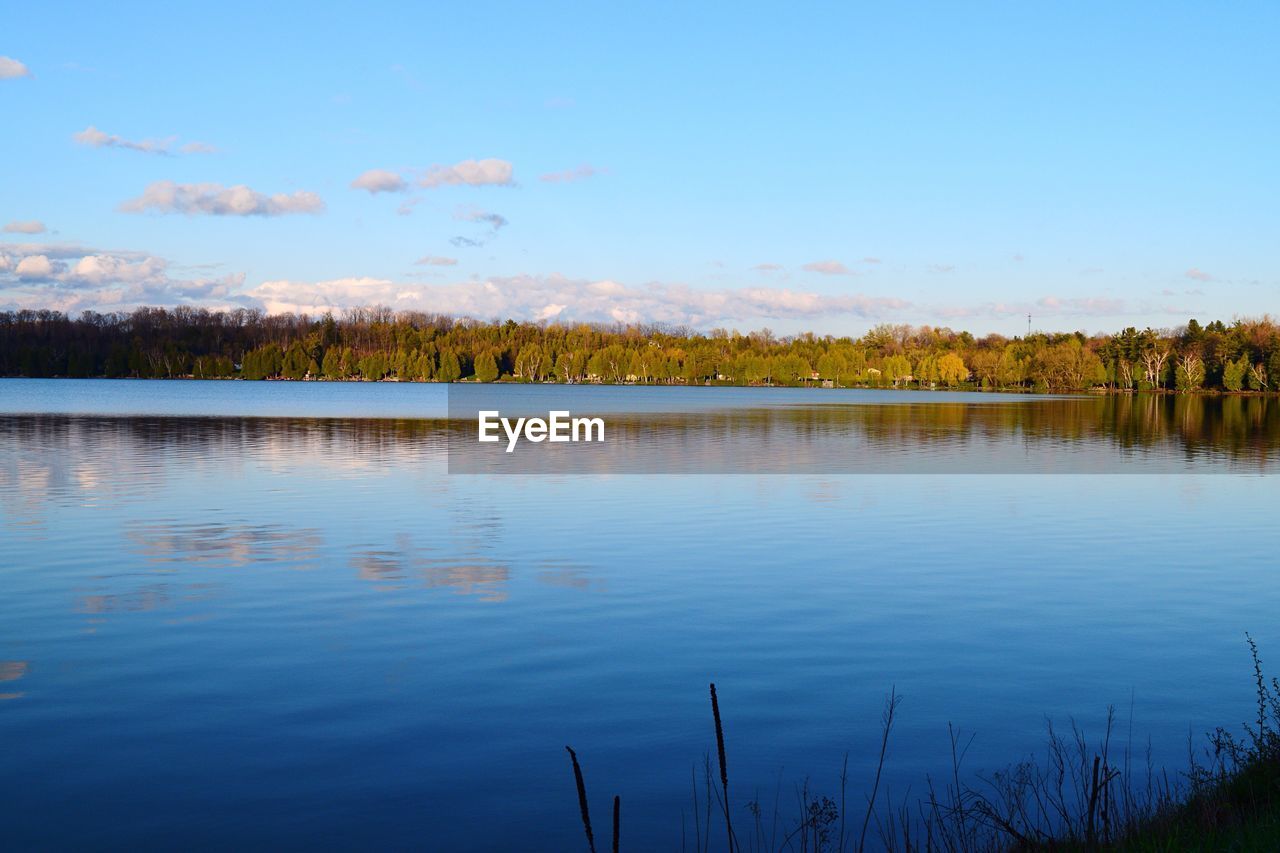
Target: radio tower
[[1028, 325]]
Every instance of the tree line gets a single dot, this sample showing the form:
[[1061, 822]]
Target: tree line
[[374, 344]]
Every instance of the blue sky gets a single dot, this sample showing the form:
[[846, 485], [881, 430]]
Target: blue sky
[[824, 166]]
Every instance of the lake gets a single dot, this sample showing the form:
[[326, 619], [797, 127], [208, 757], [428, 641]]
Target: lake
[[307, 614]]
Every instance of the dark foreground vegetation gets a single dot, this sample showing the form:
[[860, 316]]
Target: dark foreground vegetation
[[378, 344], [1081, 795]]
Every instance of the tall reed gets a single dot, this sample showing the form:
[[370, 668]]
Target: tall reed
[[617, 815], [582, 799], [724, 770]]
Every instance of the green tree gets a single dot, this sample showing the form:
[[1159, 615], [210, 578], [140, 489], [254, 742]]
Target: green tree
[[926, 370], [486, 367], [831, 365], [570, 365], [332, 365], [897, 368], [1189, 374], [531, 363], [1234, 373], [265, 362], [952, 370], [296, 361], [450, 370], [425, 369], [374, 367]]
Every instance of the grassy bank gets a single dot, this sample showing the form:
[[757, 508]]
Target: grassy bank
[[1080, 795]]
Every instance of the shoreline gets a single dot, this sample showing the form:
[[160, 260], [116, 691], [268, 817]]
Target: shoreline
[[966, 388]]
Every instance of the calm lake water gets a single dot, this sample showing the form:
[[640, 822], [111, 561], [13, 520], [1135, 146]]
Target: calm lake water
[[266, 614]]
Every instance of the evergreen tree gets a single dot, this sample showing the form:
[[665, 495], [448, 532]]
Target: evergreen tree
[[450, 370], [486, 367]]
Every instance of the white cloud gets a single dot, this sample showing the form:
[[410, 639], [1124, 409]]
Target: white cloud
[[435, 261], [827, 268], [99, 269], [379, 181], [767, 267], [580, 173], [31, 226], [34, 267], [218, 200], [95, 138], [70, 277], [11, 68], [607, 287], [472, 173], [1197, 274], [570, 300]]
